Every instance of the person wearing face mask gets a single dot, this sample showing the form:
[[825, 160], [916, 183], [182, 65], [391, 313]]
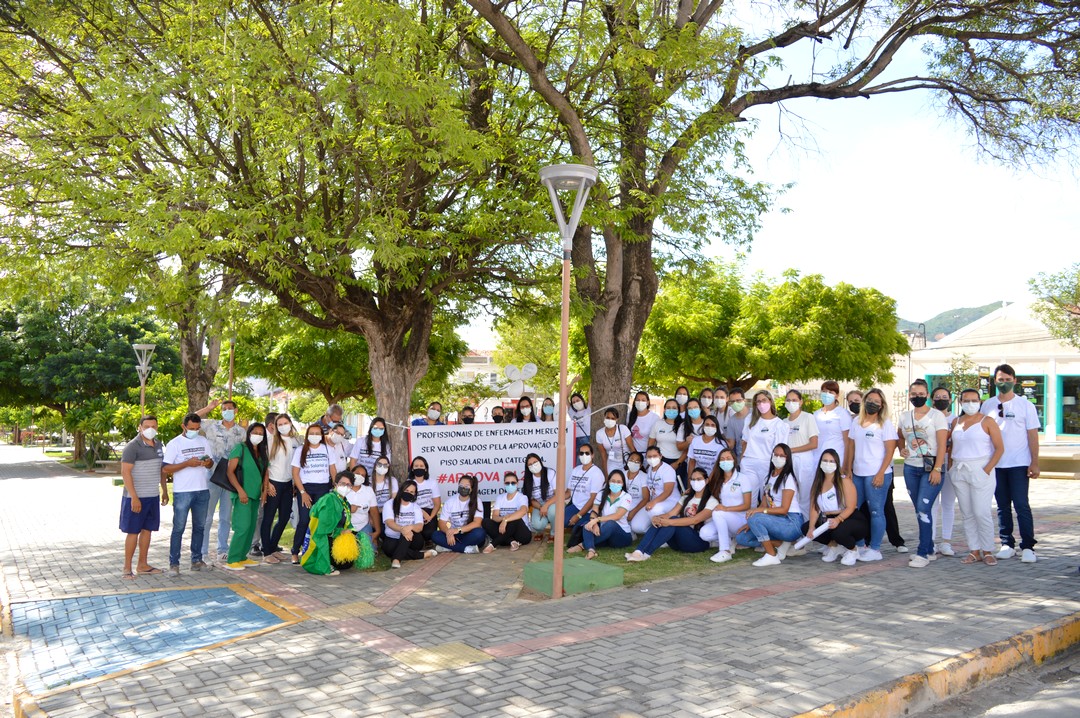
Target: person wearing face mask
[[1018, 421], [223, 436], [460, 520], [363, 504], [466, 416], [692, 418], [834, 500], [608, 524], [803, 442], [433, 416], [329, 518], [668, 435], [383, 484], [776, 522], [579, 413], [256, 543], [247, 472], [585, 482], [547, 411], [922, 434], [374, 445], [636, 485], [975, 449], [497, 415], [339, 446], [428, 497], [312, 471], [705, 449], [833, 422], [871, 445], [509, 522], [613, 442], [762, 432], [680, 527], [705, 399], [662, 485], [719, 409], [944, 515], [187, 460], [738, 411], [333, 416], [403, 521], [277, 494], [140, 512], [682, 398], [538, 486], [641, 421], [854, 402], [524, 411], [729, 517]]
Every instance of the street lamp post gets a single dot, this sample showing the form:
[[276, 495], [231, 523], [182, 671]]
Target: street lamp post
[[579, 179], [143, 352]]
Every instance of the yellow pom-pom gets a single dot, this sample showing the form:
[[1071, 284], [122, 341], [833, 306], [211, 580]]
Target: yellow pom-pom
[[345, 550]]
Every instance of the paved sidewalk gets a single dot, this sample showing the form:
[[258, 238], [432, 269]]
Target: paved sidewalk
[[450, 637]]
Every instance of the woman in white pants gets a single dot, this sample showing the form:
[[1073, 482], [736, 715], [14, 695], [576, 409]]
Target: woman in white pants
[[976, 449], [730, 516], [637, 482], [803, 440], [945, 509], [762, 431]]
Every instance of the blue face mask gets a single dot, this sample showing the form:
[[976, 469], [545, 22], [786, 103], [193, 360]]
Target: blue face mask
[[228, 414], [671, 413], [377, 432], [727, 465], [694, 413], [827, 398], [192, 433], [511, 489], [549, 410]]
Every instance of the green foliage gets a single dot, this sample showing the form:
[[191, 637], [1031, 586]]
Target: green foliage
[[531, 333], [1058, 304], [963, 374]]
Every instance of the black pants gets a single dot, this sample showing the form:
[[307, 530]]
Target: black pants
[[315, 492], [430, 527], [280, 505], [851, 530], [400, 549], [892, 526], [515, 531]]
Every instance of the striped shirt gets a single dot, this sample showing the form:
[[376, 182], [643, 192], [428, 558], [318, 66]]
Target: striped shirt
[[146, 466]]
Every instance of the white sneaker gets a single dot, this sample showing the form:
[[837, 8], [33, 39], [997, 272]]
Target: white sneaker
[[395, 564], [932, 557], [849, 558], [720, 557], [768, 560], [870, 555], [919, 561], [1028, 556], [444, 549], [945, 549], [830, 554], [1007, 552], [902, 549], [782, 550], [472, 549], [635, 556]]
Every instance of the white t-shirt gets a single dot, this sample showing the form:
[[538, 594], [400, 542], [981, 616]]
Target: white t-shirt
[[583, 482], [636, 484], [689, 428], [642, 428], [367, 458], [733, 491], [801, 430], [776, 494], [658, 479], [410, 515], [1020, 416], [692, 505], [317, 468], [831, 427], [456, 511], [762, 437], [507, 505], [363, 499], [192, 478], [622, 502], [581, 421], [869, 442], [922, 440], [340, 456], [666, 438], [426, 491], [384, 490], [705, 453], [280, 466], [828, 502], [614, 446]]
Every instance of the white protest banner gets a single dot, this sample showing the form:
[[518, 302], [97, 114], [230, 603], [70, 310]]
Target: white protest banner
[[486, 451]]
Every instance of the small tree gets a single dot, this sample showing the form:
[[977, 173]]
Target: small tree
[[963, 374], [1058, 304]]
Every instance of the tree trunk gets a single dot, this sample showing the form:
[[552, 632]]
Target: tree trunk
[[78, 447], [199, 370]]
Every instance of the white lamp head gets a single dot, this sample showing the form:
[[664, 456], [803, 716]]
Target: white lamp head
[[580, 179]]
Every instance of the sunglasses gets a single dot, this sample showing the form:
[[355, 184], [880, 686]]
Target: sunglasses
[[510, 483]]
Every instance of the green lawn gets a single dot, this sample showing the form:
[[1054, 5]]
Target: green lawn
[[665, 563]]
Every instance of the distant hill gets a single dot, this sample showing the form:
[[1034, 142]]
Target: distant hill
[[950, 320]]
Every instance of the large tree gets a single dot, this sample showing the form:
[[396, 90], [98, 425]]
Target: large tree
[[652, 94]]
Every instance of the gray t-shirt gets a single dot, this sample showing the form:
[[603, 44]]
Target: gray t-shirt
[[146, 463]]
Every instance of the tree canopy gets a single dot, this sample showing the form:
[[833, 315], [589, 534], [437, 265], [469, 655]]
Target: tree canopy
[[1058, 304]]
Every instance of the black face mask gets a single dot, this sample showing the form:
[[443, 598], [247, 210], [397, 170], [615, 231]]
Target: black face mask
[[942, 404], [463, 491], [918, 401], [466, 420], [497, 418], [420, 473], [872, 408], [408, 498], [855, 406]]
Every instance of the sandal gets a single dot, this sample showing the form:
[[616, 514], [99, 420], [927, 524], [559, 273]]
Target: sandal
[[295, 561], [591, 555], [990, 560], [271, 559], [129, 576], [576, 548], [972, 557], [151, 571]]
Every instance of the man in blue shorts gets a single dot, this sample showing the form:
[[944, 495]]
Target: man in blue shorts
[[140, 467]]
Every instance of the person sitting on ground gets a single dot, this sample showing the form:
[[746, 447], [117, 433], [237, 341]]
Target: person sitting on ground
[[460, 528], [538, 486], [509, 522], [776, 522], [679, 528], [636, 486], [364, 505], [403, 521], [833, 499], [608, 524], [735, 497], [330, 517], [428, 496]]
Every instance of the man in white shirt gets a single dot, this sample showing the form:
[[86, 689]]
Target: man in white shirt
[[223, 436], [187, 460], [1019, 423]]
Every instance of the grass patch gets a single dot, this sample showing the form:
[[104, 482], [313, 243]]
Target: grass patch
[[665, 563]]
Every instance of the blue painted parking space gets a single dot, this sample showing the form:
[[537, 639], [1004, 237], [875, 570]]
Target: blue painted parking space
[[75, 639]]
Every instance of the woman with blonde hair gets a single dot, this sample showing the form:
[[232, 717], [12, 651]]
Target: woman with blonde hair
[[868, 461], [762, 431]]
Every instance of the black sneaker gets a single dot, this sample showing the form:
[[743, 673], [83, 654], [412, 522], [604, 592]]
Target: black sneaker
[[198, 566], [256, 552], [174, 570]]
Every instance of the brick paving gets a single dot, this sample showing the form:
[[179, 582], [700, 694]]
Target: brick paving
[[734, 641]]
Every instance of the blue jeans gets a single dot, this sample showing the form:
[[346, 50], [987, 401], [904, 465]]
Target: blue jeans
[[875, 497], [1012, 491], [569, 514], [184, 502], [923, 495], [611, 534], [680, 538], [541, 523], [220, 499], [473, 537], [771, 527]]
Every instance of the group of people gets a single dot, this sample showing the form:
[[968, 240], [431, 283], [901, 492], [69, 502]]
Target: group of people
[[712, 471]]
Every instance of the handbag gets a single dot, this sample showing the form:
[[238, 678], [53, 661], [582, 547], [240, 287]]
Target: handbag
[[929, 461], [220, 476]]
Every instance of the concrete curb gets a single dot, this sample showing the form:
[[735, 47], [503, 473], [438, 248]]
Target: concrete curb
[[958, 674]]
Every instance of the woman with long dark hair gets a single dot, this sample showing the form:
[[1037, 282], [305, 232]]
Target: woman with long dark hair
[[460, 520], [278, 489], [371, 447], [312, 473], [777, 521], [834, 500], [608, 525], [250, 460], [538, 486], [509, 522], [640, 421], [680, 527], [403, 521]]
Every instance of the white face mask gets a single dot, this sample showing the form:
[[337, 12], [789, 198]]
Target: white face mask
[[709, 430], [779, 461], [706, 402], [585, 459], [337, 438], [610, 423], [697, 484], [382, 470], [721, 403], [526, 410], [681, 399], [970, 407], [654, 461], [792, 406], [641, 405], [342, 490], [633, 466], [536, 468], [579, 406], [149, 433], [256, 439], [285, 429], [314, 439], [434, 414], [828, 467]]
